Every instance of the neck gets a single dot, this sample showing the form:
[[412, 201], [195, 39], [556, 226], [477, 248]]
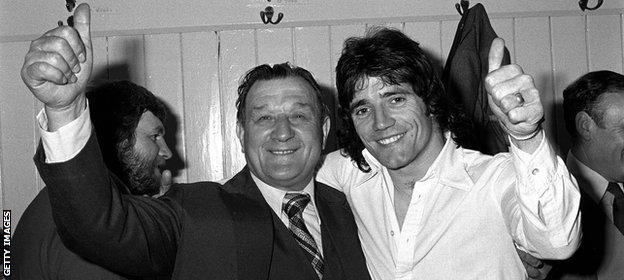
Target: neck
[[405, 177]]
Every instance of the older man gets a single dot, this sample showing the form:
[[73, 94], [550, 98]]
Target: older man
[[594, 116], [425, 207], [271, 221]]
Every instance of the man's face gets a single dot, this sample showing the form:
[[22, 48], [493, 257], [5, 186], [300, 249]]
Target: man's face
[[282, 135], [148, 154], [606, 145], [393, 123]]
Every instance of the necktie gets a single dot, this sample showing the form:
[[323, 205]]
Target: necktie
[[293, 206], [618, 205]]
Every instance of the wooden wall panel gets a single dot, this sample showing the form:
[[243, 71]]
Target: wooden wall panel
[[17, 131], [569, 63], [202, 106], [311, 47], [532, 44], [337, 36], [238, 55], [274, 45], [163, 76], [427, 34], [604, 43], [126, 58], [100, 60], [448, 28], [504, 28]]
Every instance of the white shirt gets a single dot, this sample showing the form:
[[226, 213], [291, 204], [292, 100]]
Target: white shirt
[[66, 142], [465, 214]]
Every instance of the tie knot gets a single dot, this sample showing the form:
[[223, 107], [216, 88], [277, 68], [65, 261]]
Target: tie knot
[[614, 188], [294, 203]]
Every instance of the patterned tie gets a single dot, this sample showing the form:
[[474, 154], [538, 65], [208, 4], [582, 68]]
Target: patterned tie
[[618, 205], [293, 206]]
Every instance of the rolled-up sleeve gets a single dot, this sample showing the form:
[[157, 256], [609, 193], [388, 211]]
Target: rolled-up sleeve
[[543, 207]]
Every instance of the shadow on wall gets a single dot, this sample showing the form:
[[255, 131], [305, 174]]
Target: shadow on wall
[[122, 72]]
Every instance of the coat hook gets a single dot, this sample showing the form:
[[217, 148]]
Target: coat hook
[[267, 16], [583, 5], [462, 6]]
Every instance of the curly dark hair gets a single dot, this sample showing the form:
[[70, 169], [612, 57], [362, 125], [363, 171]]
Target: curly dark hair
[[277, 71], [584, 95], [394, 58], [115, 110]]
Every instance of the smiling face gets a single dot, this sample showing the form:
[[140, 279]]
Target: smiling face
[[282, 135], [394, 125]]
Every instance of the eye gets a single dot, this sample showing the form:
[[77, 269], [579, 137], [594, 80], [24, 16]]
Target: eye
[[265, 118], [397, 100], [361, 111], [154, 137]]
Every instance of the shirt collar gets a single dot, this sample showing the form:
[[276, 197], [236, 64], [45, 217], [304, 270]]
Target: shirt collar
[[275, 197], [589, 180], [448, 167]]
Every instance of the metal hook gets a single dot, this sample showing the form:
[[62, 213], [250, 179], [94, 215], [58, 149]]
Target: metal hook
[[583, 5], [267, 16]]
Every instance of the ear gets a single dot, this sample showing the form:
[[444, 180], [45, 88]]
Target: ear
[[326, 127], [240, 132], [585, 125]]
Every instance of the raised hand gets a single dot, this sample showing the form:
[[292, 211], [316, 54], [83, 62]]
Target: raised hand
[[58, 66], [512, 96]]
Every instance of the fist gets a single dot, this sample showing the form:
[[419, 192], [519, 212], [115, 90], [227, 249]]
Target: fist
[[512, 95]]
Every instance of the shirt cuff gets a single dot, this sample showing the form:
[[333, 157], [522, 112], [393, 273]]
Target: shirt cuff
[[65, 143]]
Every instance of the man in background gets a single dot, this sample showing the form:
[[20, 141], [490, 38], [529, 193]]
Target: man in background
[[427, 208], [128, 120], [594, 116]]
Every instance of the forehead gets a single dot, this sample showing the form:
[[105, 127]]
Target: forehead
[[375, 88], [149, 122], [613, 105], [284, 91]]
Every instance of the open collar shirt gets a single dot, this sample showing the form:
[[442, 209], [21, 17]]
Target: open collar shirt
[[465, 215]]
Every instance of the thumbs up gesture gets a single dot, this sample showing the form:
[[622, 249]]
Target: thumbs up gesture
[[58, 66], [512, 96]]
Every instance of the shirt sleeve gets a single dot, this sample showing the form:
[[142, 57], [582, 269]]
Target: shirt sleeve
[[543, 208], [331, 172], [65, 143]]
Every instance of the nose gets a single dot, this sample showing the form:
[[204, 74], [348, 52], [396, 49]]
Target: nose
[[163, 149], [383, 120], [283, 129]]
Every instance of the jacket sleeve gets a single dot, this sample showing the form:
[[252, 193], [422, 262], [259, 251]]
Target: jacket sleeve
[[127, 234]]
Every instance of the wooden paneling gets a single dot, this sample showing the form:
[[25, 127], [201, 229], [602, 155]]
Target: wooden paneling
[[17, 131], [604, 43], [238, 55], [311, 47], [204, 136], [337, 36], [428, 35], [275, 45], [163, 76], [569, 63], [126, 58]]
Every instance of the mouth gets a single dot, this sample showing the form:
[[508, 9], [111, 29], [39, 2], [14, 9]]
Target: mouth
[[391, 139], [282, 152]]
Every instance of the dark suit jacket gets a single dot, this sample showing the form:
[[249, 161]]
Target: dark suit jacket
[[196, 231], [601, 254]]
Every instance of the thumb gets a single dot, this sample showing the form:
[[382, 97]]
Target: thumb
[[82, 23], [165, 179], [497, 52]]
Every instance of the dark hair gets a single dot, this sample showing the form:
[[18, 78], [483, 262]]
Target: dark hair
[[278, 71], [394, 58], [116, 108], [584, 95]]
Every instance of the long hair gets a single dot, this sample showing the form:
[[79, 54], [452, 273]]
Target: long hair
[[394, 58], [116, 108]]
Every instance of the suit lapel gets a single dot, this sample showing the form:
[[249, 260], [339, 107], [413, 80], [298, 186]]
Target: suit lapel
[[333, 216], [253, 226]]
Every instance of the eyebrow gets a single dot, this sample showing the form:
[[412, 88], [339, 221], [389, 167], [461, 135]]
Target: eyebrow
[[383, 95], [296, 105]]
